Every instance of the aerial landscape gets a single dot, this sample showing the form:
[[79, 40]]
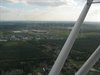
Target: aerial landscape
[[32, 47], [49, 37]]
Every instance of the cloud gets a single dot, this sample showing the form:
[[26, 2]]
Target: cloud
[[46, 2], [37, 2], [43, 3], [97, 0], [4, 9], [2, 1]]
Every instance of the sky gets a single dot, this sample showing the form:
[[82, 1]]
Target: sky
[[46, 10]]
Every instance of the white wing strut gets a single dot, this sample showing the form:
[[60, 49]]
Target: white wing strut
[[70, 41], [89, 63]]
